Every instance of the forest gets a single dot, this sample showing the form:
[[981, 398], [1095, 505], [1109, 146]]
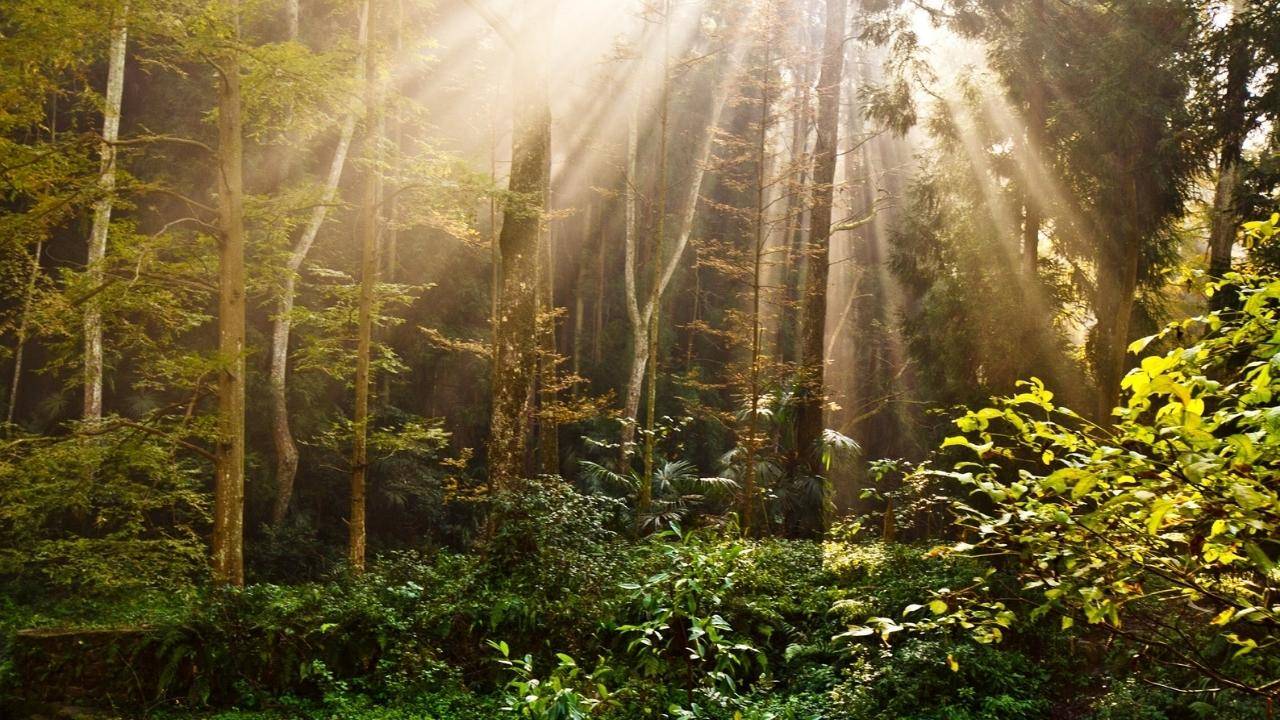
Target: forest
[[627, 359]]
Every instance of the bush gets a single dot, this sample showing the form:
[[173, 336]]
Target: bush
[[107, 514]]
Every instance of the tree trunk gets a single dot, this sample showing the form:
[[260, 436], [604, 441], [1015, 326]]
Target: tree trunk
[[1032, 216], [641, 317], [579, 297], [757, 264], [102, 213], [282, 325], [292, 10], [228, 503], [797, 195], [1118, 282], [1225, 217], [24, 324], [655, 284], [639, 325], [515, 342], [810, 389], [548, 428], [368, 288], [597, 333]]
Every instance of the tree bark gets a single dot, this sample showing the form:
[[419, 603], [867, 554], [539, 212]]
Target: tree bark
[[281, 327], [292, 10], [1117, 285], [597, 334], [757, 264], [1235, 126], [515, 341], [548, 428], [797, 196], [102, 213], [810, 388], [1033, 214], [639, 324], [228, 511], [655, 285], [368, 288]]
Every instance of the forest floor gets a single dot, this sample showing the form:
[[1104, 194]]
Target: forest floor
[[699, 626]]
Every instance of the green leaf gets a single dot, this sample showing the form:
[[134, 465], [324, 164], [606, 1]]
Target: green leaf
[[1159, 509], [1140, 344]]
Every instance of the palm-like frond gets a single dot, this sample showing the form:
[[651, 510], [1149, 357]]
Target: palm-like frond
[[835, 446], [602, 478]]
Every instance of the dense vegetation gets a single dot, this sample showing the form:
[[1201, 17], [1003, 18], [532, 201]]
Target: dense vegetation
[[566, 359]]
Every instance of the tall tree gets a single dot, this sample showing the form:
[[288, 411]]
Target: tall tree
[[655, 280], [797, 185], [282, 324], [515, 334], [369, 262], [102, 211], [752, 436], [548, 361], [813, 316], [24, 329], [228, 508], [1233, 125], [1129, 156], [641, 315]]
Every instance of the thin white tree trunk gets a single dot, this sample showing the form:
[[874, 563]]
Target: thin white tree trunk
[[639, 322], [102, 213], [20, 348], [291, 13], [282, 325], [640, 317]]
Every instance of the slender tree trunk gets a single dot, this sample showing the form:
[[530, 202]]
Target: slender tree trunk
[[1226, 217], [639, 326], [24, 324], [796, 201], [292, 10], [228, 504], [597, 333], [811, 389], [281, 326], [368, 289], [495, 253], [515, 347], [1032, 217], [579, 297], [1117, 286], [655, 285], [757, 258], [548, 428], [641, 317], [102, 213]]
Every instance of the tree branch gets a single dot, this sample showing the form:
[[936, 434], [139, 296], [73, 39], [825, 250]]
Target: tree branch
[[496, 21]]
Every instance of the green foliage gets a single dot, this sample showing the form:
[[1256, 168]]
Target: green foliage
[[566, 694], [680, 494], [681, 638], [100, 513], [1160, 529], [915, 683]]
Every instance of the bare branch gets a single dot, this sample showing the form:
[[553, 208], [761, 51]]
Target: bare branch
[[497, 22]]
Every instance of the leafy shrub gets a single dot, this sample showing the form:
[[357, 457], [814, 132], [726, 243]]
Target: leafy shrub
[[107, 513], [1158, 529], [680, 638], [933, 679]]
